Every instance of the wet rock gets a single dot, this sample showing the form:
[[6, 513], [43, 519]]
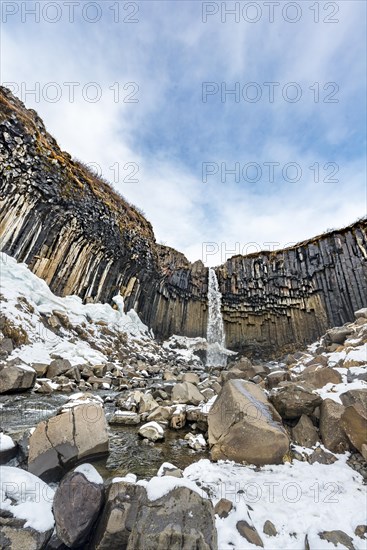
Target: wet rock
[[331, 431], [249, 532], [16, 376], [293, 400], [305, 433], [76, 506], [270, 529], [338, 537], [223, 508], [57, 443], [244, 426], [152, 431]]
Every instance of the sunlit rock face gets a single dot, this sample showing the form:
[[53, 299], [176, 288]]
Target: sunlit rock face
[[82, 238]]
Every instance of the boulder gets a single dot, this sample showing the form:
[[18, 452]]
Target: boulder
[[152, 431], [8, 449], [274, 378], [243, 369], [58, 443], [317, 377], [57, 367], [223, 508], [354, 423], [24, 526], [331, 431], [361, 313], [179, 520], [270, 529], [338, 335], [338, 537], [16, 376], [321, 456], [77, 503], [292, 400], [124, 418], [305, 433], [244, 426], [186, 393], [249, 532], [353, 397], [191, 377]]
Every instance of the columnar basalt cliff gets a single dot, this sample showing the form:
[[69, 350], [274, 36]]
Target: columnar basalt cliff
[[82, 238]]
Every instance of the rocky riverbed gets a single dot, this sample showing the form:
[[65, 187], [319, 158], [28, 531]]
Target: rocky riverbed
[[111, 439]]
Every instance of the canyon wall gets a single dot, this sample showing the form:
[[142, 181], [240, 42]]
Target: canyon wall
[[82, 238]]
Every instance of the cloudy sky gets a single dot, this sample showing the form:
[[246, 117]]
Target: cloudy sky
[[235, 126]]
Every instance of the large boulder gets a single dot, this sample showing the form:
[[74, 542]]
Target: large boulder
[[244, 426], [243, 369], [77, 433], [305, 433], [16, 376], [317, 377], [186, 393], [338, 335], [292, 400], [26, 519], [354, 423], [133, 518], [77, 503], [332, 433], [353, 397], [58, 367]]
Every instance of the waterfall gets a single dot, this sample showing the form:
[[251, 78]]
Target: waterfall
[[216, 353]]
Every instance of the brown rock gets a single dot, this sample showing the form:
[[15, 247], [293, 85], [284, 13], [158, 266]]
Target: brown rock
[[317, 377], [338, 537], [249, 532], [332, 433], [223, 508], [354, 423], [244, 426], [321, 456], [292, 400], [16, 376], [270, 529], [305, 433]]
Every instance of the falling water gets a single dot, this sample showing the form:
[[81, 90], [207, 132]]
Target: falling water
[[216, 354]]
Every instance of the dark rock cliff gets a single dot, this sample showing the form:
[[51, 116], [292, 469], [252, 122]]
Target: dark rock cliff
[[82, 238]]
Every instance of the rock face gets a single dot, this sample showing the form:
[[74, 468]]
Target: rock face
[[181, 519], [62, 440], [16, 376], [244, 426], [76, 506], [54, 211]]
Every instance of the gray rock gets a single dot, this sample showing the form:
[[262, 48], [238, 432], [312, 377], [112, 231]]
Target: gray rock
[[361, 530], [338, 537], [76, 506], [338, 335], [16, 376], [353, 397], [321, 456], [57, 367], [292, 400], [59, 442], [14, 536], [186, 393]]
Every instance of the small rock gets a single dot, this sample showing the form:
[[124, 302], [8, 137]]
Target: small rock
[[124, 418], [321, 456], [269, 529], [338, 537], [152, 431], [223, 508], [361, 530], [305, 433]]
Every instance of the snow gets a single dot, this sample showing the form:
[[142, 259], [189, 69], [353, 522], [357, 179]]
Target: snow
[[298, 498], [164, 467], [18, 281], [129, 478], [90, 473], [27, 497], [6, 442], [155, 426], [158, 487], [333, 391]]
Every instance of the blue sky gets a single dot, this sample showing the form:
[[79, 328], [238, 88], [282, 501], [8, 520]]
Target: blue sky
[[169, 54]]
